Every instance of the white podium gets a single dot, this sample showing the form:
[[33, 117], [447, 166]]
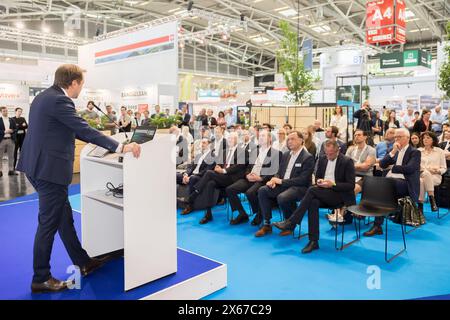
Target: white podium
[[143, 222]]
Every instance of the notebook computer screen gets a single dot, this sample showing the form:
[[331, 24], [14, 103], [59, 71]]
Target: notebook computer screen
[[143, 134]]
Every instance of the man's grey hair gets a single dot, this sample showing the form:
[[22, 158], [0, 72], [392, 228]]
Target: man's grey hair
[[403, 130]]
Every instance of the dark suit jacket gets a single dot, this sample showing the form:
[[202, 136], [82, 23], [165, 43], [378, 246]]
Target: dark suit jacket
[[12, 125], [344, 177], [213, 121], [207, 164], [238, 169], [386, 125], [442, 146], [410, 168], [186, 119], [48, 150], [271, 164], [20, 123], [301, 173], [419, 126]]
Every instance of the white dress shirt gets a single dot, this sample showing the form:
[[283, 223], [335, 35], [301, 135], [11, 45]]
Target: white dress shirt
[[399, 162], [230, 156], [119, 147], [291, 163], [200, 161], [218, 145], [330, 170], [6, 124], [260, 161]]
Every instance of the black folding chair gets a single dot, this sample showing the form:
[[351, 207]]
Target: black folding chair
[[379, 200]]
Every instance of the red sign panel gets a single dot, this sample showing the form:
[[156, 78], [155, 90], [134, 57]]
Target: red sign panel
[[383, 18]]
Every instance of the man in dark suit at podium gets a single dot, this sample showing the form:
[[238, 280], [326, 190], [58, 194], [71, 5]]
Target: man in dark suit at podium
[[47, 160]]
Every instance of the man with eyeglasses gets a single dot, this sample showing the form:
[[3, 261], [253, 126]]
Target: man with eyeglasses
[[405, 161]]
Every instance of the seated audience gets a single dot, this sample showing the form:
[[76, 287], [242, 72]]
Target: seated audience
[[392, 122], [222, 176], [364, 157], [258, 174], [219, 145], [432, 167], [202, 163], [405, 161], [415, 140], [288, 128], [445, 145], [424, 123], [335, 177], [331, 134], [309, 144], [181, 145], [289, 185], [280, 144]]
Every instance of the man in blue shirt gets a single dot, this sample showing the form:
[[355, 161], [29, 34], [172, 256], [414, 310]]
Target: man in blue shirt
[[385, 146], [438, 117], [382, 148]]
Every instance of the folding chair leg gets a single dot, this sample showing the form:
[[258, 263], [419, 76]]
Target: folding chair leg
[[300, 235], [386, 243]]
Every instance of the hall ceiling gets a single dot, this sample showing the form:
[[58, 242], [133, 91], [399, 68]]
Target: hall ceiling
[[327, 22]]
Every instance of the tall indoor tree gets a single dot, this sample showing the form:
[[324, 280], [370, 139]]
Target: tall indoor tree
[[299, 81]]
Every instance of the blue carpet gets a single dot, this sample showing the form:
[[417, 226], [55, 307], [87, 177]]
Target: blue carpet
[[273, 267], [17, 228]]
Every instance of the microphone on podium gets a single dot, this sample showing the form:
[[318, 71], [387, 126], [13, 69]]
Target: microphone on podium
[[119, 127]]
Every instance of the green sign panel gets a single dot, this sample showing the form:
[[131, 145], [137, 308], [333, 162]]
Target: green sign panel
[[391, 60], [408, 58]]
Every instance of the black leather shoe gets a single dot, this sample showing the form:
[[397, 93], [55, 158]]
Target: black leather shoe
[[241, 218], [375, 230], [433, 204], [1, 174], [285, 225], [311, 246], [256, 221], [207, 218], [92, 265], [51, 285], [12, 173]]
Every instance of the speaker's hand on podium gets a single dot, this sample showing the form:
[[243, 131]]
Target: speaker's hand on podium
[[134, 148]]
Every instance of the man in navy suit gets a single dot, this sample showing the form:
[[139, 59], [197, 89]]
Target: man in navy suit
[[289, 185], [47, 160], [8, 130], [335, 178], [405, 161]]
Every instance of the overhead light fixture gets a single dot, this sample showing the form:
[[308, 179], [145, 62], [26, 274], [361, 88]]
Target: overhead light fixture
[[225, 36], [70, 33], [45, 29], [288, 12], [173, 10], [281, 8], [409, 14], [20, 25], [181, 44], [411, 20]]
